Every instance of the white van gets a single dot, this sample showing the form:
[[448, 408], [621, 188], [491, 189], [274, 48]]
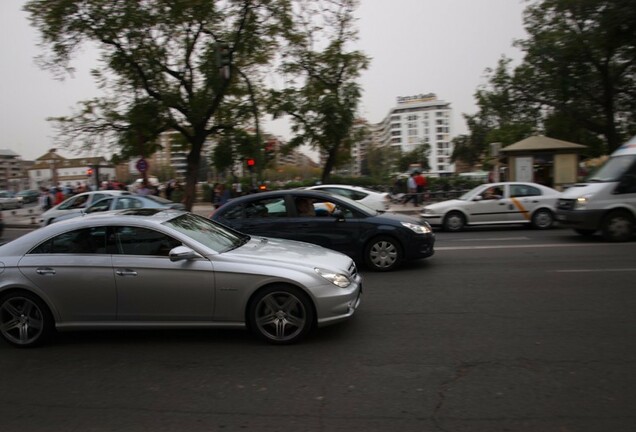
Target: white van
[[607, 201]]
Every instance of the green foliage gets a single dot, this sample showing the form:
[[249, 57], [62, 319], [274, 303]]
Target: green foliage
[[322, 106], [576, 82], [158, 68]]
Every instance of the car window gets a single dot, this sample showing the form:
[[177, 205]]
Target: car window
[[131, 240], [101, 205], [524, 191], [78, 201], [327, 207], [259, 208], [83, 241], [127, 202]]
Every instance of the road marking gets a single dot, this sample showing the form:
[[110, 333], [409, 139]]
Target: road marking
[[524, 246], [595, 270], [488, 239]]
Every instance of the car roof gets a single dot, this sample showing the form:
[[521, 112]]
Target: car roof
[[299, 192]]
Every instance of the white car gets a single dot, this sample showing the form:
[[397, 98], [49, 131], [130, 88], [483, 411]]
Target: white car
[[9, 201], [376, 200], [76, 204], [496, 203]]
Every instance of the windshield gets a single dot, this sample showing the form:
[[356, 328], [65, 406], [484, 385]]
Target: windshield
[[208, 233], [613, 169]]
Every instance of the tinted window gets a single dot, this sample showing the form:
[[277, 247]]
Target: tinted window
[[143, 241], [84, 241]]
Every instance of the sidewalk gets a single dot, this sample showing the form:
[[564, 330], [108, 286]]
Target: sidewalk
[[29, 217]]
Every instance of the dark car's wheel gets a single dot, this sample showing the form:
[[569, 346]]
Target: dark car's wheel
[[281, 314], [25, 321], [542, 219], [383, 254], [617, 226], [454, 221]]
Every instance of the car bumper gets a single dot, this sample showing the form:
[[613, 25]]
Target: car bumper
[[580, 219], [340, 307], [432, 219], [421, 246]]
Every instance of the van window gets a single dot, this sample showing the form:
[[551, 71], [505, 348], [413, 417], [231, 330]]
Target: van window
[[614, 169]]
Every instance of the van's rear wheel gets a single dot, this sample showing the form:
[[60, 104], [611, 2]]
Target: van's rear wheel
[[618, 226]]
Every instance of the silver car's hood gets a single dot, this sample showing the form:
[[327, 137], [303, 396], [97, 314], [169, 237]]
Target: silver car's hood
[[266, 249]]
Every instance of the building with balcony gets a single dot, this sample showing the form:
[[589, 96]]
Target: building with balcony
[[417, 120], [12, 174]]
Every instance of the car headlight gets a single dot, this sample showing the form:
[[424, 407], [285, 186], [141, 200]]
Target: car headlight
[[338, 279], [428, 210], [418, 228], [581, 202]]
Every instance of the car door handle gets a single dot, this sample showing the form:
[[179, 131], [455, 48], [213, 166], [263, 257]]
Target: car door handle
[[45, 271], [126, 272]]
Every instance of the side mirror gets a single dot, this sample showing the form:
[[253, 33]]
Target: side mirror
[[338, 214], [181, 253], [478, 198]]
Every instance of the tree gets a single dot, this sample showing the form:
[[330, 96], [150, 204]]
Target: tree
[[577, 81], [196, 63], [580, 62], [323, 105]]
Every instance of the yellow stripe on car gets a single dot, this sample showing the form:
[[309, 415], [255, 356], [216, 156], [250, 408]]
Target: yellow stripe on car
[[521, 208]]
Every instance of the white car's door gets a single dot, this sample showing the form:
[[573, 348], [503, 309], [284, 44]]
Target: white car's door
[[525, 199], [485, 209]]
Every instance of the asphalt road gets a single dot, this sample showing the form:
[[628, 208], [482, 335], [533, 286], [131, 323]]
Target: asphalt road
[[502, 330]]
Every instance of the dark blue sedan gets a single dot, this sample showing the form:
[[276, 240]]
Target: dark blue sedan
[[380, 240]]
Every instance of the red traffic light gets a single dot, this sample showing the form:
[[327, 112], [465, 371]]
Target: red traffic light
[[251, 162], [89, 172]]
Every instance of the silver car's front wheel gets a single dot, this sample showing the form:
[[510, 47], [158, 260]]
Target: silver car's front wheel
[[281, 315], [24, 320]]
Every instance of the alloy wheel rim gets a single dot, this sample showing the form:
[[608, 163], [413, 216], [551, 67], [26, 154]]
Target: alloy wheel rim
[[21, 320], [280, 316]]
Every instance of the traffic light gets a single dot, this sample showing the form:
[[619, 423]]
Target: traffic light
[[89, 172], [250, 164]]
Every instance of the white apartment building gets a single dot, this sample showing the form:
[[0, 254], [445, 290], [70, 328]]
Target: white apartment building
[[416, 120]]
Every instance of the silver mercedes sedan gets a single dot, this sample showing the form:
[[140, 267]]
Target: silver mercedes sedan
[[152, 268]]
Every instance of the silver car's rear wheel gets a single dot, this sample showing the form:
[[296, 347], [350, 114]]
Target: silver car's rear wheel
[[24, 320], [281, 315]]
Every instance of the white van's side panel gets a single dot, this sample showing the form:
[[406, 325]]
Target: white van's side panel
[[608, 206]]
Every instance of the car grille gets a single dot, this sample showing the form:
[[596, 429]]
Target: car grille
[[566, 204], [353, 270]]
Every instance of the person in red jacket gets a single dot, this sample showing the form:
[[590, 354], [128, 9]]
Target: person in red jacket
[[420, 181]]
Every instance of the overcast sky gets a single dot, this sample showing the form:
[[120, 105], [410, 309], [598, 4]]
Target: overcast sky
[[416, 46]]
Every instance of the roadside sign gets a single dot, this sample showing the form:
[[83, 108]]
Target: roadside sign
[[142, 165]]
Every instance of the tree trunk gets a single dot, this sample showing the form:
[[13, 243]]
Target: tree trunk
[[192, 174]]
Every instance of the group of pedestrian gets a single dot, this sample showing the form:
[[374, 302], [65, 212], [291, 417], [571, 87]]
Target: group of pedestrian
[[415, 189]]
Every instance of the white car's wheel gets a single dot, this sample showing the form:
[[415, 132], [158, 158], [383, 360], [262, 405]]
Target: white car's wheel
[[454, 221], [618, 226], [542, 219]]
